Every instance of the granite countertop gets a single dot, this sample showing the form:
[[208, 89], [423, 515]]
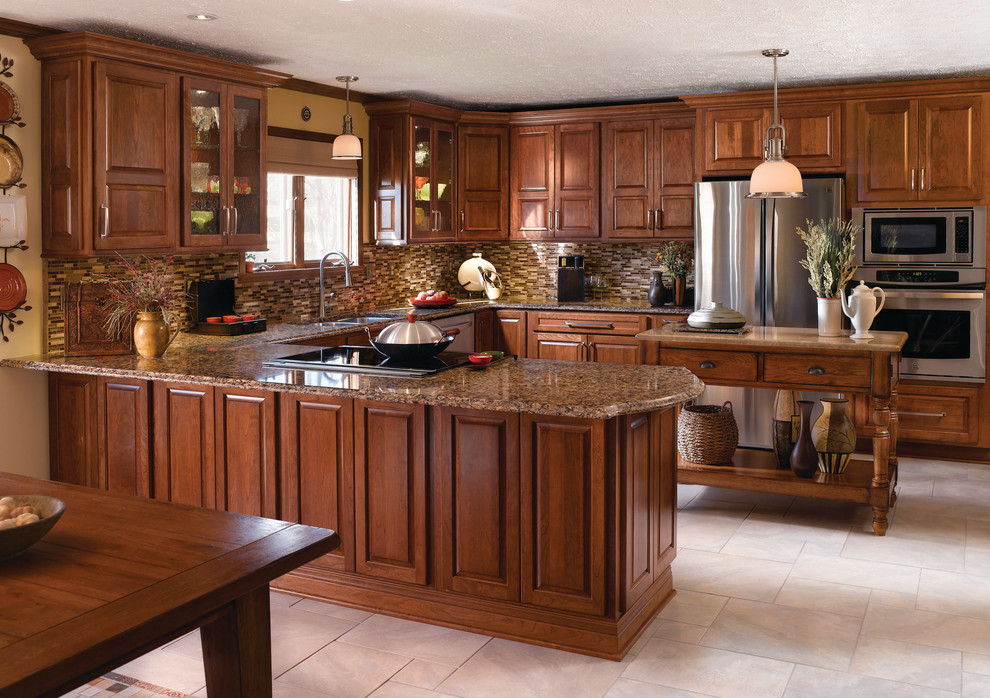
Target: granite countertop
[[780, 338], [535, 386]]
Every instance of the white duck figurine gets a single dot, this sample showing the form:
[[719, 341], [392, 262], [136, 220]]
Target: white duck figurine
[[862, 307]]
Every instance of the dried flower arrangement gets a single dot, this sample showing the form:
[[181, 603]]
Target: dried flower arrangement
[[829, 260], [147, 290], [675, 258]]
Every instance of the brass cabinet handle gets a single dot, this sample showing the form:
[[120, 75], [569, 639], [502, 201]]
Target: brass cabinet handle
[[816, 371], [939, 415], [105, 213], [706, 364]]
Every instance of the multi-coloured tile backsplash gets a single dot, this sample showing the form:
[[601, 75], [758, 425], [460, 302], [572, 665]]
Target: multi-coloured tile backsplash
[[528, 271]]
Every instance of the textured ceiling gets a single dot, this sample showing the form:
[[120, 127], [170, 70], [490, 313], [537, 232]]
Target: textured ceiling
[[501, 53]]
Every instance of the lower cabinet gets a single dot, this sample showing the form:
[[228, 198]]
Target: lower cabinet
[[509, 332], [246, 457], [184, 444], [927, 412], [606, 337], [72, 428]]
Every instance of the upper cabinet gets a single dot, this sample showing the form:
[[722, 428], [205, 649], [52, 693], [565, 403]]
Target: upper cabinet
[[927, 149], [119, 140], [433, 181], [555, 190], [483, 182], [649, 177]]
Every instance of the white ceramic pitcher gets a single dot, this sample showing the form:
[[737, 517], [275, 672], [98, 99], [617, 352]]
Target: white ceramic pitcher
[[862, 307]]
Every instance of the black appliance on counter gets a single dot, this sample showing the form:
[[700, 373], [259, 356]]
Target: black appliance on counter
[[215, 299], [570, 279], [348, 359]]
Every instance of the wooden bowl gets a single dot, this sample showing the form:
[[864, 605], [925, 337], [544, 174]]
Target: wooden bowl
[[14, 541]]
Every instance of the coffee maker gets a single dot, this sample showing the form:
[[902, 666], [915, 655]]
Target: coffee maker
[[570, 279]]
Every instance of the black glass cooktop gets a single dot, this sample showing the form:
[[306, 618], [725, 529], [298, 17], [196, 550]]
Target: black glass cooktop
[[350, 359]]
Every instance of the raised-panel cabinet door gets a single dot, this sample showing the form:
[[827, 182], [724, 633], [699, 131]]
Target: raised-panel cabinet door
[[316, 450], [135, 173], [184, 452], [484, 330], [246, 162], [390, 517], [510, 332], [122, 435], [64, 171], [951, 151], [387, 144], [734, 138], [665, 490], [629, 179], [814, 135], [887, 138], [576, 181], [477, 476], [72, 429], [483, 182], [558, 347], [532, 168], [639, 486], [615, 350], [246, 459], [674, 198], [562, 503]]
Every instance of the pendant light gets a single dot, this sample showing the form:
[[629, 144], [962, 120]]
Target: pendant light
[[347, 146], [775, 178]]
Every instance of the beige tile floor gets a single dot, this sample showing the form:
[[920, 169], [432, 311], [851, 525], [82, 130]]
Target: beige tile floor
[[777, 596]]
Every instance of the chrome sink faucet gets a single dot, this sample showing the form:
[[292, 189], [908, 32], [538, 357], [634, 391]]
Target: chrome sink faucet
[[347, 279]]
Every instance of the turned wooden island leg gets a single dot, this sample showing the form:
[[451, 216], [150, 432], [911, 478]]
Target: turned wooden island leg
[[882, 452]]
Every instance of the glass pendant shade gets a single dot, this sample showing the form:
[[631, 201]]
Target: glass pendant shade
[[346, 146], [775, 178]]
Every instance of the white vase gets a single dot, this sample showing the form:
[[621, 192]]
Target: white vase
[[829, 317]]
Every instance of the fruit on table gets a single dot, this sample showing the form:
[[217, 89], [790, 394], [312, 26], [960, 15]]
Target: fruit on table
[[432, 295]]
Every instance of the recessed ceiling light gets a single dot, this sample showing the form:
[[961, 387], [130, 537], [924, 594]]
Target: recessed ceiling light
[[202, 17]]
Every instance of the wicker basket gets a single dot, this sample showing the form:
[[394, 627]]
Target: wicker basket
[[707, 434]]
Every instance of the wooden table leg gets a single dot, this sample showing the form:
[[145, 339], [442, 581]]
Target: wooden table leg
[[237, 648], [880, 486]]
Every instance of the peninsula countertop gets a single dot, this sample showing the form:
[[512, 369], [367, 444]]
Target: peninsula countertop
[[777, 338]]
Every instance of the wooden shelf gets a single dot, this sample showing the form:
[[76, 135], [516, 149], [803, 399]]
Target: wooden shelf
[[757, 471]]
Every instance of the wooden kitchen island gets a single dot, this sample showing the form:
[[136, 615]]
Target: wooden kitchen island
[[798, 359], [528, 499]]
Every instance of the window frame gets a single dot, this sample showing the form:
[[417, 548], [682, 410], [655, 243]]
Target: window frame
[[304, 269]]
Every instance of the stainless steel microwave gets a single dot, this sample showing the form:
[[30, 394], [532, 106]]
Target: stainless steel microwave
[[918, 235]]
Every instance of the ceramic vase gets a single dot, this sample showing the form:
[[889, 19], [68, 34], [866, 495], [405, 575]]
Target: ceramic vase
[[784, 413], [657, 295], [834, 436], [679, 284], [804, 457], [151, 335], [829, 317]]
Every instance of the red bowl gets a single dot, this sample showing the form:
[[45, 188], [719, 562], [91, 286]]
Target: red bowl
[[245, 318], [433, 302], [214, 319], [231, 318], [480, 358]]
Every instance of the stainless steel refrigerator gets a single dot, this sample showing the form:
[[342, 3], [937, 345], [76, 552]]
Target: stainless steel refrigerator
[[746, 256]]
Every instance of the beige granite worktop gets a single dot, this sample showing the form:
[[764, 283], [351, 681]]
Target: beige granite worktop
[[778, 338]]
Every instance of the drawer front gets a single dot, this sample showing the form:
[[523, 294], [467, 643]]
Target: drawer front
[[598, 323], [720, 365], [936, 416], [817, 371]]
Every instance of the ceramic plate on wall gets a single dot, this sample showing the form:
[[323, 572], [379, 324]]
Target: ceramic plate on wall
[[11, 162], [13, 287], [9, 108]]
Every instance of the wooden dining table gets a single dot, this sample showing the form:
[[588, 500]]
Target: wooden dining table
[[119, 576]]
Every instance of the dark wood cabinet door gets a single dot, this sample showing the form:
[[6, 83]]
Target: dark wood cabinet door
[[614, 350], [665, 467], [184, 452], [316, 462], [386, 151], [675, 176], [65, 173], [576, 181], [532, 177], [887, 138], [72, 429], [510, 332], [483, 182], [431, 205], [557, 346], [390, 517], [123, 446], [814, 135], [477, 484], [246, 460], [562, 520], [484, 330], [951, 150], [628, 186], [639, 489], [734, 138], [135, 147]]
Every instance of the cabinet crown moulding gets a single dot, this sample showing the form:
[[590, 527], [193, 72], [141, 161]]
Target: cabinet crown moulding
[[91, 44]]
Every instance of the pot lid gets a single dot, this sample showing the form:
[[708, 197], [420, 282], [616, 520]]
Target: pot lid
[[411, 331], [717, 316], [469, 273]]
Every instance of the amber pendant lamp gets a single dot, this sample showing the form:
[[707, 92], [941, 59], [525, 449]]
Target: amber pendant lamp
[[775, 178]]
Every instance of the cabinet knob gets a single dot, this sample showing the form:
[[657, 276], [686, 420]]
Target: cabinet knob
[[816, 371], [706, 364]]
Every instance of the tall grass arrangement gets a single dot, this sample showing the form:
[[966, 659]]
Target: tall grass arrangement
[[829, 261]]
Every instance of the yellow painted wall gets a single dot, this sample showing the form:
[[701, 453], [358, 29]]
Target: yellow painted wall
[[24, 394], [285, 111]]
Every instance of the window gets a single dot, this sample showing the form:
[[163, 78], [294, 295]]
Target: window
[[313, 204]]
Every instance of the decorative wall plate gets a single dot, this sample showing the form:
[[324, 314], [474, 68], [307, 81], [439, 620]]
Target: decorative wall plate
[[13, 287], [11, 162], [9, 107]]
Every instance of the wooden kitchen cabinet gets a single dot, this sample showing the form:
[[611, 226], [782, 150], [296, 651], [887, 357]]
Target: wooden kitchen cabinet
[[113, 163], [928, 412], [569, 336], [390, 498], [509, 332], [484, 330], [648, 190], [927, 149], [555, 181], [184, 444], [246, 477], [482, 182], [432, 205], [72, 428]]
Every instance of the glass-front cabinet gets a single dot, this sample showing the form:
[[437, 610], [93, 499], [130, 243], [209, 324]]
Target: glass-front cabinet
[[433, 181], [224, 158]]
